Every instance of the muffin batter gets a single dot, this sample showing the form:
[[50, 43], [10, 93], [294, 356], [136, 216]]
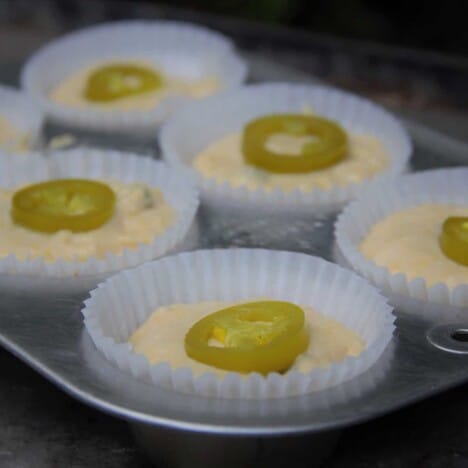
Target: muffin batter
[[12, 138], [223, 160], [140, 214], [161, 338], [408, 242], [70, 92]]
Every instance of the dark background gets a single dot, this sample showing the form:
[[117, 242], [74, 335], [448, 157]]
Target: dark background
[[437, 26], [440, 26]]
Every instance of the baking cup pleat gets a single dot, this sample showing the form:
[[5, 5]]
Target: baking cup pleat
[[189, 132], [22, 112], [178, 190], [118, 306], [379, 201], [181, 49]]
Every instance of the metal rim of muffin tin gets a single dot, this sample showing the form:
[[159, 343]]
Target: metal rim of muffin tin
[[45, 330]]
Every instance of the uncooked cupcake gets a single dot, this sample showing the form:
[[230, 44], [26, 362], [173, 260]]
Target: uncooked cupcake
[[161, 338], [362, 157], [93, 212], [129, 76], [225, 323], [20, 122], [127, 85], [57, 219], [12, 139], [418, 251], [286, 144], [411, 236]]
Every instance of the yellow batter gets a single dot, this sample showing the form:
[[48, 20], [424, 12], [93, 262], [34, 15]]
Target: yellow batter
[[70, 92], [408, 242], [161, 338], [223, 160], [140, 214], [11, 138]]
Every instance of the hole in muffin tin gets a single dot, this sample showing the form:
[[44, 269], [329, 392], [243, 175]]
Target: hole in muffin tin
[[452, 338], [460, 335]]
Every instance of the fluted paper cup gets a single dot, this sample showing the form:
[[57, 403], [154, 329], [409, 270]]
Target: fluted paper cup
[[123, 302], [187, 133], [179, 192], [24, 115], [181, 49], [441, 186]]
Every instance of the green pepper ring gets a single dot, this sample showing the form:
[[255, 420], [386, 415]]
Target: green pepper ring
[[26, 207], [331, 148], [274, 356], [453, 239], [98, 85]]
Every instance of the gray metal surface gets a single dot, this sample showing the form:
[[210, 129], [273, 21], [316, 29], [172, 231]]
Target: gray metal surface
[[45, 329]]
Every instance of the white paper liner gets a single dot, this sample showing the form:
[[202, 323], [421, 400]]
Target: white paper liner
[[189, 132], [182, 49], [178, 191], [379, 201], [22, 113], [123, 302]]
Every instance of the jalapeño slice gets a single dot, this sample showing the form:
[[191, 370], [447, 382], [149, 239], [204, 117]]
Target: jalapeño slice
[[76, 205], [330, 143], [112, 82], [264, 336], [453, 239]]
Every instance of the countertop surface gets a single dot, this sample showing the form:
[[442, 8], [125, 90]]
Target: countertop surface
[[41, 427]]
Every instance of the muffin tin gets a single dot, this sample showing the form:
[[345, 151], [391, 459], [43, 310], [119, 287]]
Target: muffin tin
[[46, 331]]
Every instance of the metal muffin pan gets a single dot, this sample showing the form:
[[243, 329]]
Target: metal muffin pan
[[43, 327]]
